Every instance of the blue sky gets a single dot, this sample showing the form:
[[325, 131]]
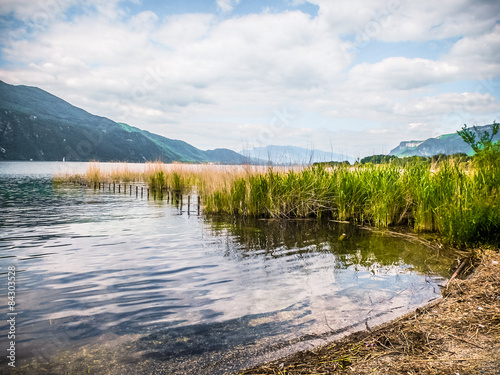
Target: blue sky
[[353, 77]]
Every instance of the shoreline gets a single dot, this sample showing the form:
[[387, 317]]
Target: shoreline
[[457, 334]]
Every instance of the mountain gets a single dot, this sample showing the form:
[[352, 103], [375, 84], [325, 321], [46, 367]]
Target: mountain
[[36, 125], [291, 155], [444, 144]]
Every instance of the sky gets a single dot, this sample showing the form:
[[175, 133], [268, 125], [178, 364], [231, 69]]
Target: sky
[[352, 77]]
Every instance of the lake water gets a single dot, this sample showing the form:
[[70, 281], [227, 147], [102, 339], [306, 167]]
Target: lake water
[[118, 283]]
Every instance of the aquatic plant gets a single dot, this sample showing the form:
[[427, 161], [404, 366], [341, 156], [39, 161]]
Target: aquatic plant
[[454, 197]]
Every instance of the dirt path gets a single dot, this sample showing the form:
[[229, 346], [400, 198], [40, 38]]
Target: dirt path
[[459, 334]]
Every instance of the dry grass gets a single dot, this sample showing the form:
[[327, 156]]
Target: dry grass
[[458, 334], [207, 178]]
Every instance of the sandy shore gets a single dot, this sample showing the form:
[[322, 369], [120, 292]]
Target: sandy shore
[[458, 334]]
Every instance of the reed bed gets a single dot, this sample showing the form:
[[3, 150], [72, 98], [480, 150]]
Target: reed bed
[[459, 200], [203, 178]]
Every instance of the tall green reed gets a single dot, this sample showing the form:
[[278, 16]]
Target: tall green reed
[[457, 200]]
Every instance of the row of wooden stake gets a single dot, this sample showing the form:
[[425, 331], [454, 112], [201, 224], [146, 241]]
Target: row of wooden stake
[[171, 195]]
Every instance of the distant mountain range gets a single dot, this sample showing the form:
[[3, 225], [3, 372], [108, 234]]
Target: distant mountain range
[[291, 155], [444, 144], [36, 125]]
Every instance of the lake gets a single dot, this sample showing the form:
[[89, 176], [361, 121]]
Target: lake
[[118, 283]]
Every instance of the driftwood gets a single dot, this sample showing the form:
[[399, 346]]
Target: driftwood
[[457, 272]]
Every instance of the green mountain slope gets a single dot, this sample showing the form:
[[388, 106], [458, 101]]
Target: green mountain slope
[[444, 144], [36, 125]]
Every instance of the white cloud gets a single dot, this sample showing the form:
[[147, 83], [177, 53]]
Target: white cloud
[[182, 30], [351, 17], [403, 73], [227, 6], [215, 82], [440, 104], [478, 56], [402, 20], [34, 11], [144, 21]]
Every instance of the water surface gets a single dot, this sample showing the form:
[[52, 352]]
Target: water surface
[[114, 283]]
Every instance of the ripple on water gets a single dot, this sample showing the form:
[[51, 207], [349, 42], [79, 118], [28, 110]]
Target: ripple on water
[[188, 290]]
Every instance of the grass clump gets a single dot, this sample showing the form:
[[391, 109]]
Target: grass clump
[[458, 201]]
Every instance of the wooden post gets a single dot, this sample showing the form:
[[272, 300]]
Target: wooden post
[[114, 185], [199, 204], [136, 191], [142, 190], [119, 187], [130, 189], [189, 203], [148, 192]]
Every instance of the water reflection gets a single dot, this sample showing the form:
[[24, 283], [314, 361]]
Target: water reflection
[[352, 245], [138, 285]]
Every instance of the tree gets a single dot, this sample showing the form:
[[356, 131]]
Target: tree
[[487, 157], [485, 142]]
